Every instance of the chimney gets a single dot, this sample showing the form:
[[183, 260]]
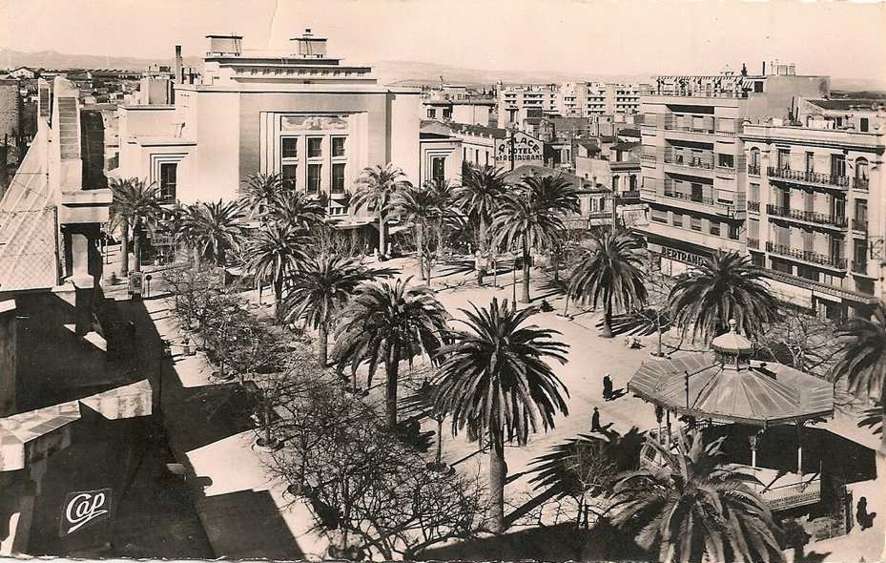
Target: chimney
[[178, 65]]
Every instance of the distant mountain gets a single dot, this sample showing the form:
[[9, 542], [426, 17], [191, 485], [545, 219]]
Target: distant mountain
[[60, 61], [412, 73]]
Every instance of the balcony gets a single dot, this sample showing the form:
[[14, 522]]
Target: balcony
[[807, 216], [812, 178], [754, 206], [807, 256], [679, 160], [754, 170], [630, 196], [860, 225], [721, 208]]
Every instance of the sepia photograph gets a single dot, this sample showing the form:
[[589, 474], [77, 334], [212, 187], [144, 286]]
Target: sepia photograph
[[443, 280]]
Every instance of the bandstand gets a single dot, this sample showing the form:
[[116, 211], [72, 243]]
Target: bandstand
[[765, 410]]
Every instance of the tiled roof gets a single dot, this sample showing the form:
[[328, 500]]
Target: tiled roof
[[755, 395], [28, 258]]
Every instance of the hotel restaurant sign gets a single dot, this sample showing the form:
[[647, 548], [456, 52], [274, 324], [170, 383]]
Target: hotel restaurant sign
[[519, 148], [677, 254]]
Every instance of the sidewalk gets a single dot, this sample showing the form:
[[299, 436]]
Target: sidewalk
[[209, 429]]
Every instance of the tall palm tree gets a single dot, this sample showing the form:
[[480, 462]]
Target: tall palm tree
[[386, 324], [494, 381], [296, 209], [863, 361], [482, 190], [612, 272], [532, 218], [695, 508], [212, 229], [318, 291], [260, 193], [275, 251], [418, 205], [134, 206], [377, 186], [444, 196], [727, 286]]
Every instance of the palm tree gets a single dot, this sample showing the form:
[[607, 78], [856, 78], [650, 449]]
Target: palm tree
[[444, 197], [418, 205], [612, 272], [481, 191], [693, 507], [319, 289], [532, 217], [275, 252], [261, 192], [388, 323], [494, 381], [378, 185], [135, 206], [863, 361], [297, 210], [213, 229], [726, 287]]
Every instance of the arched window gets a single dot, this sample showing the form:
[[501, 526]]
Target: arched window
[[862, 173], [754, 161]]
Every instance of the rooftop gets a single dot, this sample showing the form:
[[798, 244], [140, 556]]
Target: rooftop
[[850, 104]]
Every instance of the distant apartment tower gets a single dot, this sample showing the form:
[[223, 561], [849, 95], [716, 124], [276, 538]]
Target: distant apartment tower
[[816, 197], [517, 102], [694, 172]]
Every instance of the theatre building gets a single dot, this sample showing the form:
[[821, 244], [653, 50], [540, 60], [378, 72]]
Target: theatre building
[[301, 114]]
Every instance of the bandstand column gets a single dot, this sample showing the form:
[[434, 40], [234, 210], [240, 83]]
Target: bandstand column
[[800, 447]]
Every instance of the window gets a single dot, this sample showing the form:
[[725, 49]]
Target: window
[[289, 147], [438, 169], [725, 160], [810, 162], [697, 192], [861, 211], [754, 164], [290, 175], [168, 175], [313, 178], [447, 113], [633, 183], [861, 173], [758, 87], [695, 223], [863, 125], [733, 232], [338, 147], [678, 220], [659, 216], [715, 228], [338, 177], [432, 113], [315, 147], [838, 165], [754, 193], [784, 159]]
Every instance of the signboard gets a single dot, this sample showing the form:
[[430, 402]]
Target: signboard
[[84, 508], [682, 256], [521, 148], [136, 282], [633, 215]]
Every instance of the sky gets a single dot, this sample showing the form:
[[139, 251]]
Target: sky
[[840, 38]]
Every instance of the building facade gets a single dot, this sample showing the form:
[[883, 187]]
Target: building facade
[[694, 174], [304, 115], [816, 204]]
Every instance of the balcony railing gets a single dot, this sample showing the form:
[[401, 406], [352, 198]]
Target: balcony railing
[[754, 206], [859, 267], [703, 201], [649, 157], [806, 256], [672, 126], [754, 170], [807, 216], [809, 177], [689, 162], [860, 225], [630, 196]]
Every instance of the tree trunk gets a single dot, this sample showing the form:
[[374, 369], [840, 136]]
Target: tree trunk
[[482, 233], [498, 471], [124, 248], [419, 247], [381, 233], [526, 272], [439, 441], [278, 299], [321, 345], [607, 320], [137, 247], [555, 259], [392, 368]]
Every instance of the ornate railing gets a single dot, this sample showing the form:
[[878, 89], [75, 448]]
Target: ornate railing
[[809, 177], [807, 216], [806, 255]]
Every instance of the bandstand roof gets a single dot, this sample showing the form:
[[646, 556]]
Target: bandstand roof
[[761, 394]]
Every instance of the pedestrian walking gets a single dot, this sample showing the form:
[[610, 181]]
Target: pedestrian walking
[[607, 387], [595, 421]]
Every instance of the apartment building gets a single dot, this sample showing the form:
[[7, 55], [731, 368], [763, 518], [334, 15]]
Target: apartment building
[[517, 102], [816, 204], [693, 159]]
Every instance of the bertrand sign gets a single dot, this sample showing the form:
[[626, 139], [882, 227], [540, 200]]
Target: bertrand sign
[[522, 148], [84, 508]]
